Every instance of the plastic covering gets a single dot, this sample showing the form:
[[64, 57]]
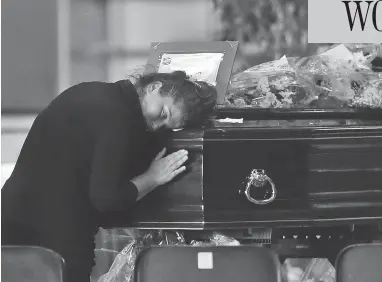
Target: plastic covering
[[340, 77], [122, 269], [308, 270]]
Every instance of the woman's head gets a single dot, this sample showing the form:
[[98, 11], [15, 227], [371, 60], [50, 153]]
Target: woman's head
[[171, 100]]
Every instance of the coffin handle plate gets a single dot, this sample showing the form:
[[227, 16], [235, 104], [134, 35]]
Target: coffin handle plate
[[259, 178]]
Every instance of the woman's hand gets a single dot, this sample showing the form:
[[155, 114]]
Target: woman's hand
[[161, 171], [164, 169]]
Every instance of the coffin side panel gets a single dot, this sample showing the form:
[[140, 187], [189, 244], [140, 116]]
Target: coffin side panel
[[320, 176], [178, 204]]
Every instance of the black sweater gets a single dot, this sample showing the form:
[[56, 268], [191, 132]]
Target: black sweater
[[77, 163]]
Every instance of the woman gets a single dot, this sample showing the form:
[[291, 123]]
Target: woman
[[86, 154]]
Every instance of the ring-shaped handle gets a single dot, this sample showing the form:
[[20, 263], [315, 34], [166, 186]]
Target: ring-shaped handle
[[258, 178]]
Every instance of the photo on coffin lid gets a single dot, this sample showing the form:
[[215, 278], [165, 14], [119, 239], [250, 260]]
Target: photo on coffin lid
[[199, 66]]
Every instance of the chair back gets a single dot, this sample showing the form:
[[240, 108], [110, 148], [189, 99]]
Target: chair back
[[360, 263], [30, 264], [207, 264]]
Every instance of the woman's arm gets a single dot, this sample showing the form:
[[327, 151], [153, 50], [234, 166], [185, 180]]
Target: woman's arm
[[110, 188]]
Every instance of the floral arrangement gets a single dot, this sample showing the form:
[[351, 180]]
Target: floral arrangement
[[336, 78]]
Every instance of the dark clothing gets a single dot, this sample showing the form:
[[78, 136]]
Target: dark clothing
[[75, 165]]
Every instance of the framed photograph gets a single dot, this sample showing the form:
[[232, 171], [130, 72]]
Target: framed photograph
[[207, 61]]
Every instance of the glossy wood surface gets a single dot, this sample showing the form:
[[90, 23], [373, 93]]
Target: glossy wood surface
[[249, 113], [178, 204], [325, 176]]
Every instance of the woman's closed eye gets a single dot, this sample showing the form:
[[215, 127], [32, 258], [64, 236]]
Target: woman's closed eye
[[163, 115]]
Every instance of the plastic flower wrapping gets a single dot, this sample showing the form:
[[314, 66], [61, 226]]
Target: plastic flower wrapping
[[292, 270], [339, 77], [122, 269]]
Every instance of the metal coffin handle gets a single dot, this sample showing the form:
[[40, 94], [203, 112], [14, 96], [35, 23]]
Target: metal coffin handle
[[258, 178]]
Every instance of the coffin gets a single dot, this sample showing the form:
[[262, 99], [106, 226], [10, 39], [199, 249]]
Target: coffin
[[324, 171], [276, 167]]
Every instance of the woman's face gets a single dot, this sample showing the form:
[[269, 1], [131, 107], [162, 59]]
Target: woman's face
[[160, 111]]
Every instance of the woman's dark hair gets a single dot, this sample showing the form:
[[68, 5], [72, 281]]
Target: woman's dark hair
[[198, 98]]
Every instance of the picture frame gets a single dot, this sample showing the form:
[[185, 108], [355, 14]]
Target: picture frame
[[208, 61]]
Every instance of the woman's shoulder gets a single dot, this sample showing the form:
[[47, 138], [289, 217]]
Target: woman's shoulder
[[99, 87], [91, 92], [91, 86], [100, 96]]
